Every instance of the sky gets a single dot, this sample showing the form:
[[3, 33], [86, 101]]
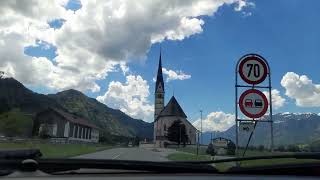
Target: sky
[[109, 50]]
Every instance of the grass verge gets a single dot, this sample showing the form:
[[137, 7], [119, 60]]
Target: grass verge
[[192, 149], [187, 157], [182, 156], [57, 150]]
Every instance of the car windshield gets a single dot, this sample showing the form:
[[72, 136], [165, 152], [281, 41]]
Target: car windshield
[[161, 80]]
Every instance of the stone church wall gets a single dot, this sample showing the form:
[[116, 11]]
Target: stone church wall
[[164, 123]]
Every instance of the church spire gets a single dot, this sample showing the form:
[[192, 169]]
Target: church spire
[[159, 92], [159, 81]]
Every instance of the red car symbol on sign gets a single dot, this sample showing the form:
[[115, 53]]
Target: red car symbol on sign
[[248, 103]]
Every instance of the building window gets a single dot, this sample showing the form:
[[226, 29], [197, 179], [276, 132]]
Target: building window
[[165, 128], [159, 95]]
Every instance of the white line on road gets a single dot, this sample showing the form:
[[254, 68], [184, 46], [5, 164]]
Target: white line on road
[[115, 157]]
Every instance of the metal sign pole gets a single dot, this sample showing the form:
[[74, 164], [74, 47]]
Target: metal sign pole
[[245, 150], [270, 106], [252, 85], [236, 110]]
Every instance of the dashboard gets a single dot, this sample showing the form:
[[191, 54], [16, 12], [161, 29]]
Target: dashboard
[[148, 176]]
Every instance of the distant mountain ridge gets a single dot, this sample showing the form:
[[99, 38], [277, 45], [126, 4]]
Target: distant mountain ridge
[[114, 121], [14, 94], [289, 128]]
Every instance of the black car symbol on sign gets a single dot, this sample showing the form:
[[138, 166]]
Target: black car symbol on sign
[[258, 103], [245, 128]]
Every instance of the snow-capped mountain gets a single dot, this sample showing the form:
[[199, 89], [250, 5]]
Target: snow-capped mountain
[[289, 128]]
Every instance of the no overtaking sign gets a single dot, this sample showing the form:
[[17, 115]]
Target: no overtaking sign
[[253, 103]]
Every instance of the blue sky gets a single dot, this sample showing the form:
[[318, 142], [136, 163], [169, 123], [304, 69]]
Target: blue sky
[[285, 32]]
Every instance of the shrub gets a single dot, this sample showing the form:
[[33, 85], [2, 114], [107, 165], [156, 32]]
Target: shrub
[[210, 150], [231, 149], [293, 148], [261, 148]]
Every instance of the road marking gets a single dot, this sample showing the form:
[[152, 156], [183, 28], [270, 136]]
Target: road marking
[[115, 157]]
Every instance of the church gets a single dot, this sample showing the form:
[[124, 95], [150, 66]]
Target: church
[[166, 116]]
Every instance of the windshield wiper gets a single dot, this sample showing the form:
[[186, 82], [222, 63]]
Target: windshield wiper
[[20, 154], [251, 158], [59, 165]]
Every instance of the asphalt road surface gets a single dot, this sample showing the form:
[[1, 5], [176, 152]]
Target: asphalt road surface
[[134, 153]]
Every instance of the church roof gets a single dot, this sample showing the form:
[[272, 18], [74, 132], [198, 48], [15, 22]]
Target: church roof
[[173, 109], [159, 75]]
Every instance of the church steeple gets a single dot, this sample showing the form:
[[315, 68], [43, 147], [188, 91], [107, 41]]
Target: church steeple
[[159, 82], [159, 91]]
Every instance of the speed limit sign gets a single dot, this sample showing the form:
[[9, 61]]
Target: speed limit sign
[[253, 69]]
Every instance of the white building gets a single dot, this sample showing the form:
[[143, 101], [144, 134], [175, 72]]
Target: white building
[[60, 124]]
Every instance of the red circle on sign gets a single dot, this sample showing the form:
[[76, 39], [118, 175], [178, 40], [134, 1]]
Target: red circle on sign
[[255, 58], [248, 114]]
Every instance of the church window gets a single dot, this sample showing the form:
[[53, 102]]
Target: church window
[[159, 95]]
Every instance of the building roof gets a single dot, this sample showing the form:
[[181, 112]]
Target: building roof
[[173, 109], [73, 118], [159, 76]]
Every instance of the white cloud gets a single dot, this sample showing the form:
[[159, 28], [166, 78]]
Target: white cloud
[[130, 97], [243, 4], [216, 121], [124, 68], [277, 100], [94, 39], [302, 89], [175, 75]]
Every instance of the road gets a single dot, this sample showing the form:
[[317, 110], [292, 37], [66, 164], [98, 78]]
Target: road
[[134, 153]]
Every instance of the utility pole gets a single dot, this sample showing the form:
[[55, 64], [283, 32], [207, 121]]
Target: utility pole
[[201, 126], [198, 133], [180, 134]]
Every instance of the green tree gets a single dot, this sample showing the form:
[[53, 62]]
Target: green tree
[[261, 147], [210, 150], [281, 148], [231, 148], [177, 133], [136, 141], [4, 106], [44, 132], [15, 123], [315, 146], [293, 148]]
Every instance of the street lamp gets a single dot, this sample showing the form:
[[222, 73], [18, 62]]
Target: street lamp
[[201, 125], [198, 132]]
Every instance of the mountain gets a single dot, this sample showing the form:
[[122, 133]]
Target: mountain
[[289, 128], [13, 94], [112, 120]]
